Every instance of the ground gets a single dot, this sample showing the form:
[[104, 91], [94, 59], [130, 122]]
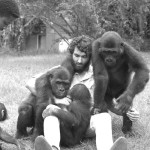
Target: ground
[[16, 70]]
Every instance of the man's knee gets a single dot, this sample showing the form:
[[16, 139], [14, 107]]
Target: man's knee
[[100, 120], [101, 116]]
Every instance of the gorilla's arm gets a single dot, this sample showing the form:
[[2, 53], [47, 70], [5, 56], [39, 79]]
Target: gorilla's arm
[[138, 65], [100, 77], [68, 64], [139, 80], [66, 116]]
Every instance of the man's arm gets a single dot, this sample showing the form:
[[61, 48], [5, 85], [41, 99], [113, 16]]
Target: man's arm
[[100, 78]]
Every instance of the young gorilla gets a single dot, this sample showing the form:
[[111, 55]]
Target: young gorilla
[[54, 84], [75, 120], [114, 61]]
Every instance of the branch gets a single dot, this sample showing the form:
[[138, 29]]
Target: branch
[[79, 19], [35, 16], [65, 30], [49, 23], [59, 34], [67, 23]]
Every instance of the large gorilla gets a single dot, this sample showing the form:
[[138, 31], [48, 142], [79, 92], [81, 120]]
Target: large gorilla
[[114, 63]]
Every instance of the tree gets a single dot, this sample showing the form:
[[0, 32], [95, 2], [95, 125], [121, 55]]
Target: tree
[[88, 17]]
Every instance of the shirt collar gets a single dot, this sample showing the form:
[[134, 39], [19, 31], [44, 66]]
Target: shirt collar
[[86, 74]]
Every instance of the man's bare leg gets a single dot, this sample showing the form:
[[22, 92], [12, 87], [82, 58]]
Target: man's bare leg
[[51, 138], [102, 125]]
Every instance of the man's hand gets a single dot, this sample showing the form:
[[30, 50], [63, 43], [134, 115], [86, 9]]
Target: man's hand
[[50, 109], [133, 114], [65, 101]]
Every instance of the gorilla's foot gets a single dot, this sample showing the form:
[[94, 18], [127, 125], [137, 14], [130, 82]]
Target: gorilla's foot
[[21, 134], [127, 127]]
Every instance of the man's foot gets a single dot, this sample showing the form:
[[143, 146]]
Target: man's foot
[[41, 144], [120, 144]]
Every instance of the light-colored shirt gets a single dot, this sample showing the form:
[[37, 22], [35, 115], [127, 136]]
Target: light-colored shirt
[[85, 78]]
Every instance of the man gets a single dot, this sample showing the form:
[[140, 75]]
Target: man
[[100, 124], [9, 11]]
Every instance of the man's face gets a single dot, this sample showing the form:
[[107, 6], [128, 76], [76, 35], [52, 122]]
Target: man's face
[[5, 21], [80, 59]]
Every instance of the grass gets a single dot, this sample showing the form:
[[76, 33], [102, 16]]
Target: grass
[[16, 70]]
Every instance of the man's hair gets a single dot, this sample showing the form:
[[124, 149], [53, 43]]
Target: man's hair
[[9, 8], [83, 43]]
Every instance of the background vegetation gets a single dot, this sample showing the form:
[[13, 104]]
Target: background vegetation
[[131, 18]]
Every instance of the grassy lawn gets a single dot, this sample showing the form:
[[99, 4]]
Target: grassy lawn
[[15, 71]]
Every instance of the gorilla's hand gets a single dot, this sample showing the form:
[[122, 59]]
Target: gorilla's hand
[[50, 109], [123, 102], [100, 109]]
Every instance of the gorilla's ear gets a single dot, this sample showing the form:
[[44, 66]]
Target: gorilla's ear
[[122, 44], [3, 112], [50, 75], [122, 47]]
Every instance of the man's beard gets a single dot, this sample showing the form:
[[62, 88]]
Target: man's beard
[[81, 68]]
